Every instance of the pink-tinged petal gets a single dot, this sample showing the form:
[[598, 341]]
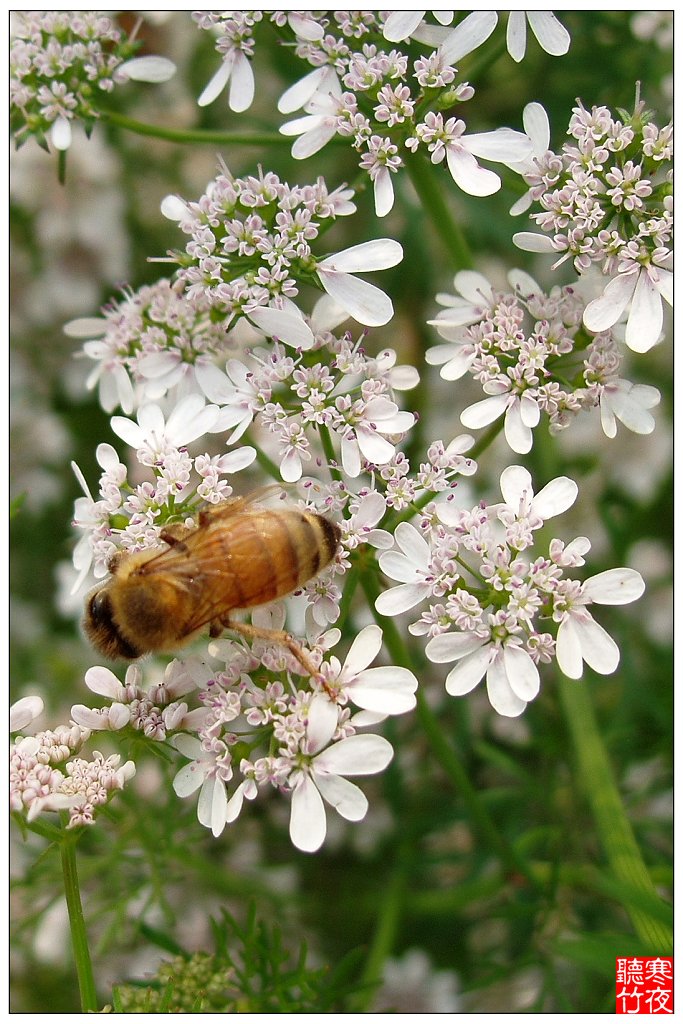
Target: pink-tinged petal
[[464, 677], [373, 446], [288, 327], [146, 69], [60, 133], [504, 145], [516, 35], [315, 139], [216, 85], [103, 682], [319, 80], [530, 241], [551, 34], [241, 93], [304, 26], [663, 281], [23, 712], [346, 798], [522, 204], [500, 693], [384, 192], [603, 312], [568, 649], [323, 716], [482, 413], [521, 672], [378, 254], [363, 651], [355, 755], [555, 498], [364, 302], [401, 24], [402, 598], [453, 646], [597, 646], [468, 175], [614, 586], [516, 486], [389, 690], [413, 544], [469, 34], [307, 822], [646, 317]]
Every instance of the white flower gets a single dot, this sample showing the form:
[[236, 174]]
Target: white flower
[[552, 36], [642, 288], [411, 566], [321, 80], [322, 772], [206, 774], [235, 69], [461, 310], [522, 413], [115, 386], [286, 325], [23, 712], [512, 679], [468, 35], [319, 125], [145, 69], [629, 403], [524, 510], [366, 437], [234, 391], [189, 420], [363, 301], [358, 528], [537, 127], [579, 637], [389, 690]]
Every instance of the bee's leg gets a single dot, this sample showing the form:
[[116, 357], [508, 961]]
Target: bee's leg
[[174, 535], [216, 628], [285, 639]]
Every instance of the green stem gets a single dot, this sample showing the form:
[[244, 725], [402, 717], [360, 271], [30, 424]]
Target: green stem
[[328, 448], [79, 938], [613, 826], [432, 197], [185, 136]]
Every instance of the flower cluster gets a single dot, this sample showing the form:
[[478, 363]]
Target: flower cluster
[[59, 62], [46, 776], [606, 200], [250, 250], [263, 722], [363, 90], [489, 593], [522, 347]]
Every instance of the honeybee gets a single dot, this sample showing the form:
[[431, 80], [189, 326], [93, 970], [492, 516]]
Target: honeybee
[[239, 556]]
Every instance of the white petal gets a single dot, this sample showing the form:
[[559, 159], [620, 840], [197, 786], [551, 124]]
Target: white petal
[[413, 544], [298, 94], [555, 498], [356, 755], [128, 431], [482, 413], [474, 287], [530, 241], [614, 586], [314, 139], [646, 317], [307, 823], [350, 456], [384, 192], [323, 716], [277, 323], [103, 682], [86, 327], [147, 69], [468, 175], [241, 94], [502, 144], [516, 35], [604, 311], [346, 798], [402, 598], [631, 408], [551, 34], [453, 646], [469, 34], [401, 24], [597, 646], [364, 302], [290, 467], [304, 26], [516, 486], [398, 567], [465, 676], [60, 133], [216, 85], [389, 690], [373, 446], [378, 254], [568, 649], [363, 651], [23, 711], [664, 282], [517, 434], [521, 672], [500, 693]]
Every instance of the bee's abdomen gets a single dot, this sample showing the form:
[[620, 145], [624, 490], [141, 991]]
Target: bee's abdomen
[[279, 551]]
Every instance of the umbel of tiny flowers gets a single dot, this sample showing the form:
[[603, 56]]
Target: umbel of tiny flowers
[[490, 593], [250, 250], [522, 347], [60, 64], [606, 200]]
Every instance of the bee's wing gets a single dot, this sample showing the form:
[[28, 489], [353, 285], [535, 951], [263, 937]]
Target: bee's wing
[[238, 506]]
